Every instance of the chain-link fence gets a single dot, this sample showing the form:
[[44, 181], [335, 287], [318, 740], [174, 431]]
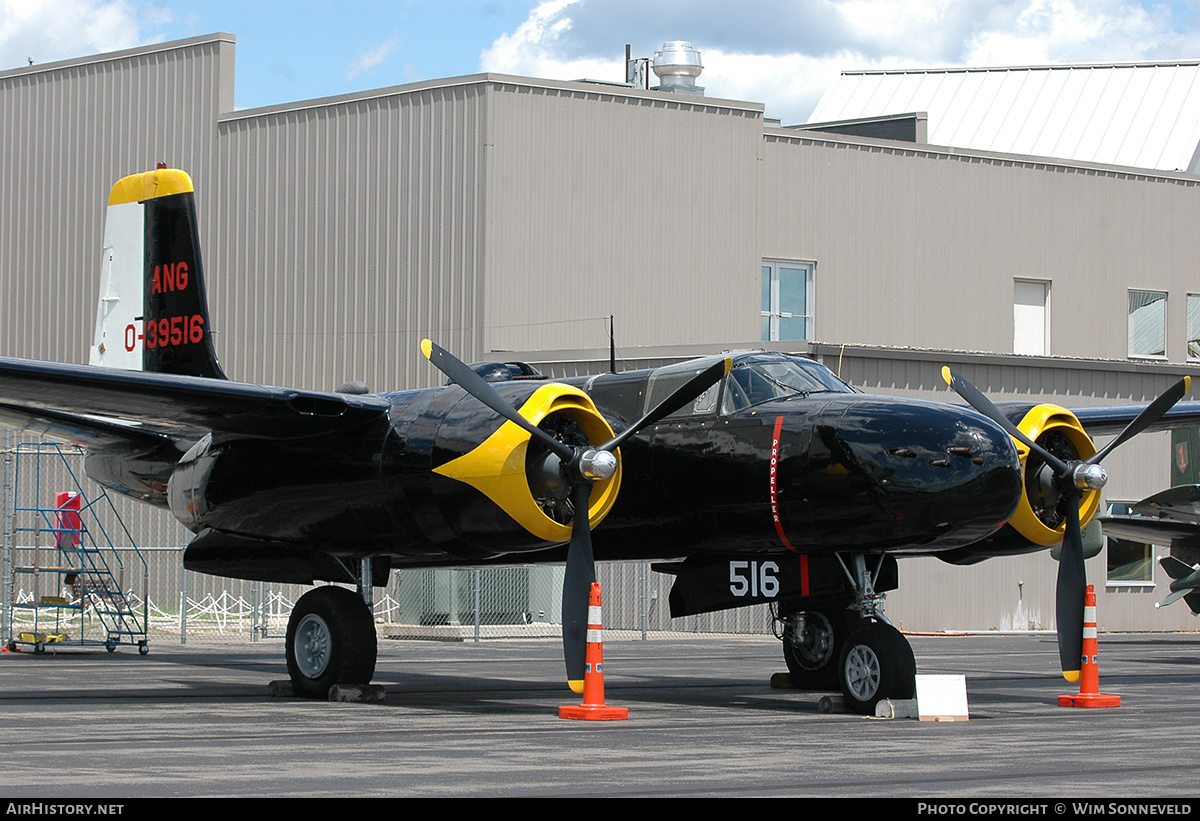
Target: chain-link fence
[[468, 604]]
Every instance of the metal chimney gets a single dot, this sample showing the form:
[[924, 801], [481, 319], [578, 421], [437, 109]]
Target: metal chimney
[[677, 66]]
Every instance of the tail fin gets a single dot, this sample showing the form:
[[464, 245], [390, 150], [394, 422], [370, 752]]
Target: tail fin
[[153, 312]]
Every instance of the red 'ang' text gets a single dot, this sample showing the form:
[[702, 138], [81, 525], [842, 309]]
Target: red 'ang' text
[[172, 277]]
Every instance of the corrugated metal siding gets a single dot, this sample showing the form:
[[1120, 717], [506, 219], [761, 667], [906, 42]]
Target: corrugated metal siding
[[496, 213], [615, 202], [922, 245], [70, 131], [1143, 115], [348, 232]]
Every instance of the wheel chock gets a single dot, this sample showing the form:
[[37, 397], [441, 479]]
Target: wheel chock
[[832, 704], [358, 693], [593, 707], [1089, 676]]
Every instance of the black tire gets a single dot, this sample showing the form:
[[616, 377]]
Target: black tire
[[330, 640], [812, 656], [876, 663]]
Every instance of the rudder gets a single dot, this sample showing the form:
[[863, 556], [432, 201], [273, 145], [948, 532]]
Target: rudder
[[153, 311]]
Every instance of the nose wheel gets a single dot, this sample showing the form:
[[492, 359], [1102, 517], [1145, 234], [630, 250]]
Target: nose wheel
[[812, 643], [876, 663]]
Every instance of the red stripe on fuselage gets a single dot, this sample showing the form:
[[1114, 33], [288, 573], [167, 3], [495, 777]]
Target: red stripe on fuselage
[[774, 468]]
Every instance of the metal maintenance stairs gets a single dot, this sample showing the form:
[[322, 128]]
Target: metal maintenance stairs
[[59, 538]]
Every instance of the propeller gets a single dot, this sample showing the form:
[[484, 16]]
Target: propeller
[[580, 467], [1071, 478]]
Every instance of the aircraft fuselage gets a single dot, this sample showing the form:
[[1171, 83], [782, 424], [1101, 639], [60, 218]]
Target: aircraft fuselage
[[826, 471]]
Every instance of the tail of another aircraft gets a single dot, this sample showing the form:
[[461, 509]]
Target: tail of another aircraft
[[153, 311]]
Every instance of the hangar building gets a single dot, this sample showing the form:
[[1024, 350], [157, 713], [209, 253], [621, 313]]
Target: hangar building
[[509, 217]]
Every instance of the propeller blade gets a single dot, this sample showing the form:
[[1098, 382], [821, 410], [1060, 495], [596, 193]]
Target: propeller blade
[[1152, 413], [981, 403], [687, 392], [577, 586], [475, 385], [1069, 597]]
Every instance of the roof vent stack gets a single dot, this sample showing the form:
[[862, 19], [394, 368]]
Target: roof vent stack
[[677, 66]]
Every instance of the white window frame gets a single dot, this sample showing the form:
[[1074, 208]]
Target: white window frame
[[1129, 319], [1192, 299], [775, 314], [1153, 550]]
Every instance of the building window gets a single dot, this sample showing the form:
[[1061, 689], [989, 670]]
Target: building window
[[1031, 331], [1193, 326], [1148, 324], [1128, 561], [786, 300]]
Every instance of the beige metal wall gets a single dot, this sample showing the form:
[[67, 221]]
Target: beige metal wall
[[920, 245], [611, 201], [70, 130], [499, 213], [350, 229]]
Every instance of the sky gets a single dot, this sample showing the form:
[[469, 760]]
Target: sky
[[784, 53]]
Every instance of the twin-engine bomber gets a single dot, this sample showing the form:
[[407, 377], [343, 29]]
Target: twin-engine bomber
[[752, 477]]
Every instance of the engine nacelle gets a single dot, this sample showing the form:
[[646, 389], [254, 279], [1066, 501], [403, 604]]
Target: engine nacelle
[[1040, 516], [519, 477]]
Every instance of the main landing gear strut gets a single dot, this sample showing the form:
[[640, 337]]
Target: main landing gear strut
[[331, 639], [850, 645]]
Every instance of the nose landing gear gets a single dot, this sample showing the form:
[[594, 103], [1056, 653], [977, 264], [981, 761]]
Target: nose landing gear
[[849, 645]]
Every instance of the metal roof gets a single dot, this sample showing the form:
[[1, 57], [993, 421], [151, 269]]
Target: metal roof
[[1145, 115]]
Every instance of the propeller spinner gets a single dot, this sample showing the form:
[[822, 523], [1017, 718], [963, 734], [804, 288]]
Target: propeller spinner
[[579, 467], [1072, 478]]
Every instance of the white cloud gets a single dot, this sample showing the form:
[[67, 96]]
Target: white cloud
[[49, 30], [369, 59], [802, 53]]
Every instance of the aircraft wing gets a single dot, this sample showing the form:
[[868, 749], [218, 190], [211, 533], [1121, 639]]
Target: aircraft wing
[[1164, 518], [1109, 420], [107, 402], [1171, 517], [137, 425]]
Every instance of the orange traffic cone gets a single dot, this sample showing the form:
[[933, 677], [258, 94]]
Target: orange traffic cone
[[593, 707], [1089, 675]]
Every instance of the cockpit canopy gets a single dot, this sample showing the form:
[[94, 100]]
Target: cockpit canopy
[[755, 378]]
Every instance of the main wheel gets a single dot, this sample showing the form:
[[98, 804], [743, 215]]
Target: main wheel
[[876, 663], [811, 654], [330, 640]]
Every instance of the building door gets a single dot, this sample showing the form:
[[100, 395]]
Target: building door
[[1031, 330]]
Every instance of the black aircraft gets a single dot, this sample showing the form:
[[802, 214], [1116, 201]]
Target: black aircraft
[[1172, 518], [752, 477]]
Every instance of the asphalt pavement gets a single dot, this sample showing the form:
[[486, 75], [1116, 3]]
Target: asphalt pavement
[[466, 719]]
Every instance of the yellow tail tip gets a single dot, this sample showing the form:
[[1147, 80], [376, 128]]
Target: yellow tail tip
[[427, 348], [1187, 384], [1071, 675], [946, 374], [576, 686]]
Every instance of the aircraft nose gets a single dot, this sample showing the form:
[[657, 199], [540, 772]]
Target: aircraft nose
[[919, 473]]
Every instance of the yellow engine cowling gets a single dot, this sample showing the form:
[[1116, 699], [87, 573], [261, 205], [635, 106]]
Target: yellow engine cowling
[[1057, 430], [497, 467]]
